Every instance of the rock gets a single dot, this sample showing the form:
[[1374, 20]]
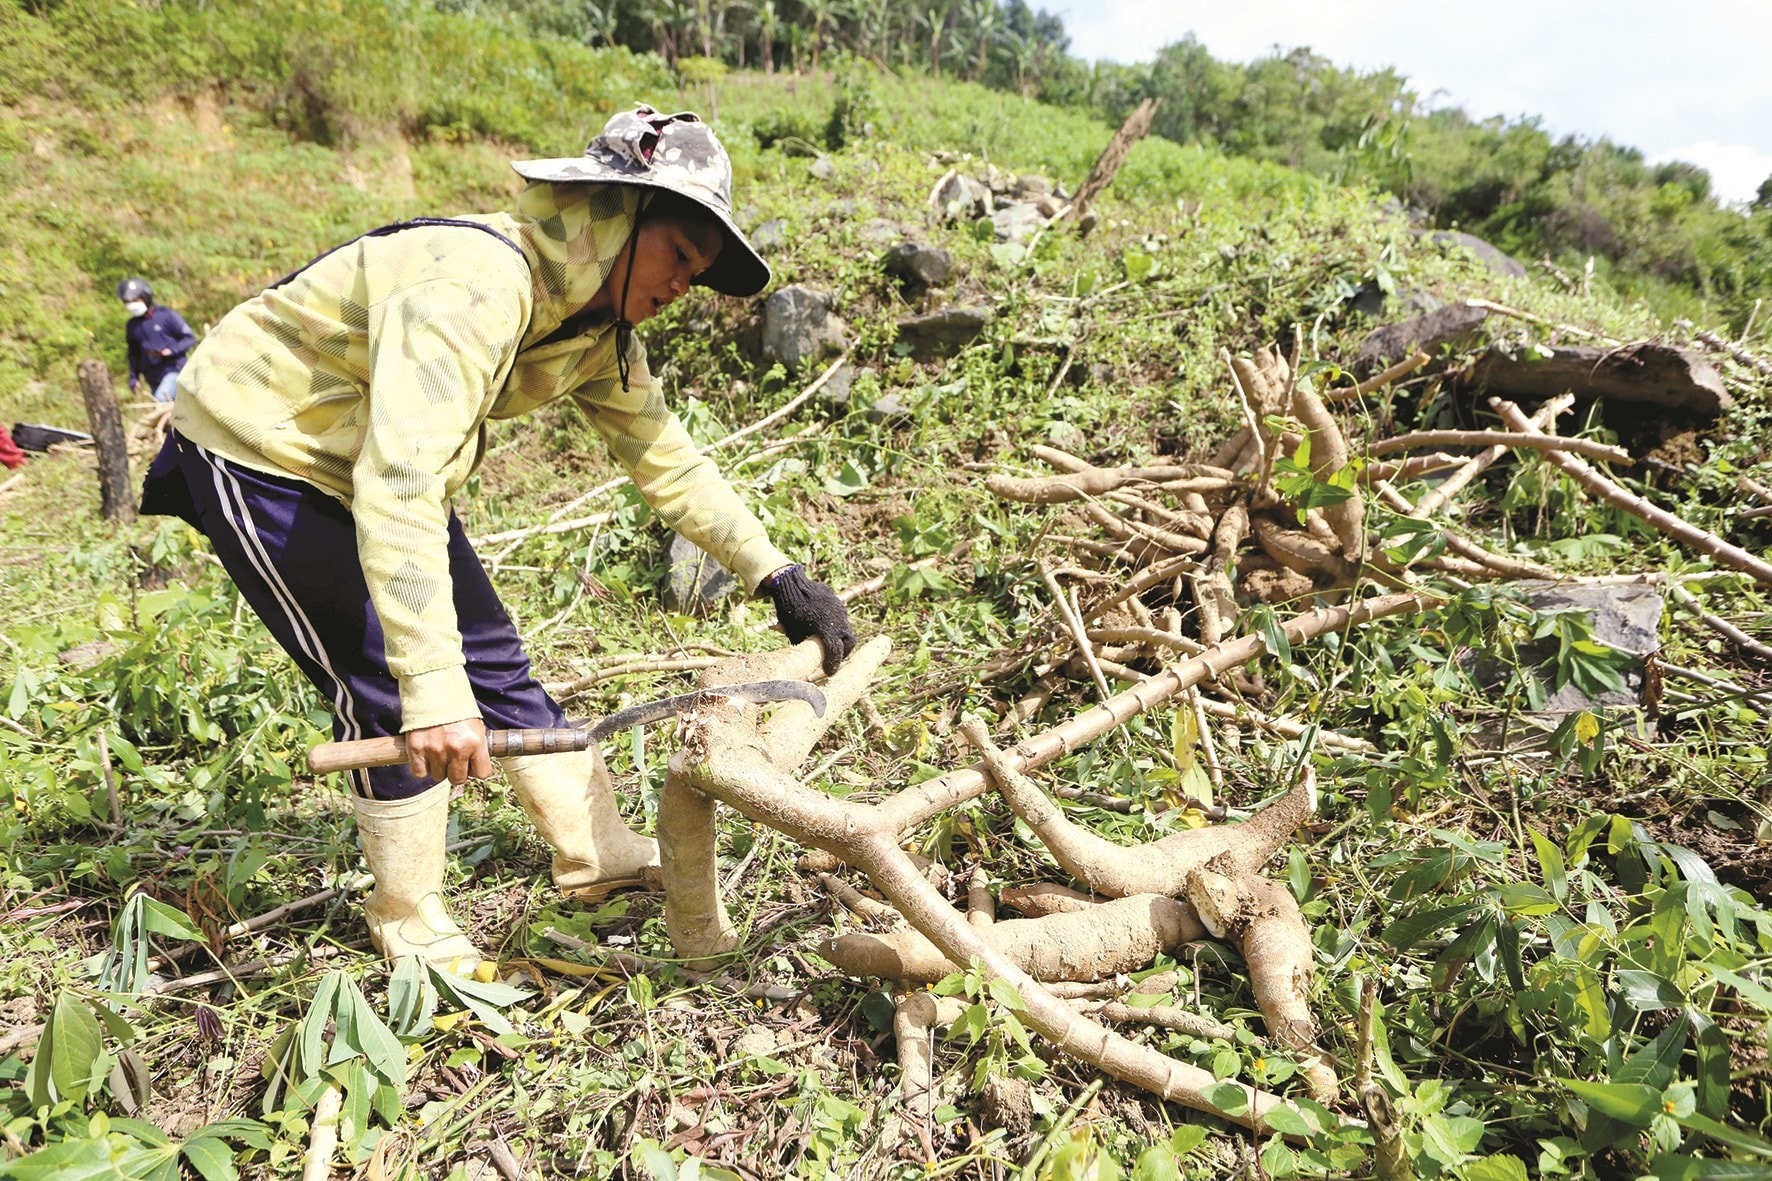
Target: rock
[[1066, 436], [769, 237], [1489, 256], [878, 231], [1454, 323], [697, 582], [1017, 222], [822, 168], [1626, 617], [835, 390], [86, 655], [755, 1042], [1007, 1102], [1370, 301], [919, 266], [943, 333], [890, 408], [1049, 206], [996, 180], [1657, 374], [798, 327], [960, 198], [1032, 187]]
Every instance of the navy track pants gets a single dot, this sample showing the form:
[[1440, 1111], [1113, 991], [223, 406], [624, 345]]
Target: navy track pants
[[292, 551]]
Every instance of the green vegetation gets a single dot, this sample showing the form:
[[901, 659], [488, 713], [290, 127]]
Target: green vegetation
[[1652, 231], [1572, 943]]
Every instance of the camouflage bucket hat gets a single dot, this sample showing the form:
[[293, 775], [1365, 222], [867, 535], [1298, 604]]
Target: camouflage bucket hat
[[674, 152]]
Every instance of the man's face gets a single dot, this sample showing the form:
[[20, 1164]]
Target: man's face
[[668, 254]]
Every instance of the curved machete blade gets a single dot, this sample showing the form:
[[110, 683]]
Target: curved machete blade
[[755, 692]]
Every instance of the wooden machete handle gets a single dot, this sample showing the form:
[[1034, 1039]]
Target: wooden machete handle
[[387, 751]]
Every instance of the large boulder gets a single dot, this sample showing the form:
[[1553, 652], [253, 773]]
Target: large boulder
[[1456, 323], [799, 327], [1625, 617], [943, 333], [1489, 256]]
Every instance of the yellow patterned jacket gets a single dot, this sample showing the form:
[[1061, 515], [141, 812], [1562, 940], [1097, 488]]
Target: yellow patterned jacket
[[372, 374]]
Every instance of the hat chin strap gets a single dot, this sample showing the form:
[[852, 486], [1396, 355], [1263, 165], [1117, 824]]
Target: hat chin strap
[[624, 328]]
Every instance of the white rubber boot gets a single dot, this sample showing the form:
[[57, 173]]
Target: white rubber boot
[[569, 799], [403, 841]]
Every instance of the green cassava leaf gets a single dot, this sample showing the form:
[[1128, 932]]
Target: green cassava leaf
[[161, 919], [71, 1160], [1632, 1103], [1739, 1139], [1411, 929], [211, 1158], [1500, 1167]]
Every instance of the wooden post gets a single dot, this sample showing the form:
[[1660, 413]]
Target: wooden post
[[1136, 127], [116, 496]]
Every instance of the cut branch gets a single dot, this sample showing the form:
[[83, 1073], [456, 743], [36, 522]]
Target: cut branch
[[1532, 441], [1452, 485], [1396, 372], [1680, 530], [914, 805]]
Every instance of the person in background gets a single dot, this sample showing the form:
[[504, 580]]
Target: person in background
[[159, 340], [10, 455]]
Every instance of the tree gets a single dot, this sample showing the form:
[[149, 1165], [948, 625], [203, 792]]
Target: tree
[[875, 26], [986, 21], [1197, 92], [822, 13], [768, 23], [670, 21], [1763, 199], [1022, 52], [934, 18]]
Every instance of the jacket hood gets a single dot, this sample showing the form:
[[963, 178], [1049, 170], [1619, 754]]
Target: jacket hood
[[570, 234]]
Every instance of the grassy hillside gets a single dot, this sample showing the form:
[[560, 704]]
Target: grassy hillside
[[1592, 910]]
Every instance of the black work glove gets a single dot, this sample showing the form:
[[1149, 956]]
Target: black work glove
[[808, 608]]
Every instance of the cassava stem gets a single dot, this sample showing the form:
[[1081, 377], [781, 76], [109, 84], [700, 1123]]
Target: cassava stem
[[724, 758], [1687, 534], [912, 806]]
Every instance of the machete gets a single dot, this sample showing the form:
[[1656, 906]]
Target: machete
[[580, 734]]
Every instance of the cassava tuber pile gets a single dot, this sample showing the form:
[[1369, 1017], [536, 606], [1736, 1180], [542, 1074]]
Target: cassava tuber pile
[[1278, 513]]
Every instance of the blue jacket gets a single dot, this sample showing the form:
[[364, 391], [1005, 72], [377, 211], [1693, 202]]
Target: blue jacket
[[158, 328]]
